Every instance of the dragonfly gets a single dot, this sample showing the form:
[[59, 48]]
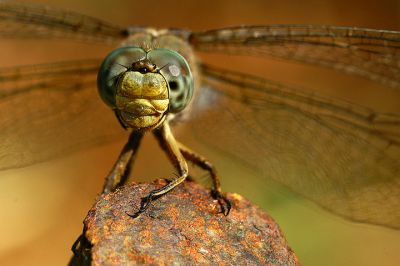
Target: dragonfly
[[340, 155]]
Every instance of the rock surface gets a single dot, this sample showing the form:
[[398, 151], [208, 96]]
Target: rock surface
[[184, 227]]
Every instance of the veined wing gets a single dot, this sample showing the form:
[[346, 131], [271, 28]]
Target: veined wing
[[37, 21], [342, 156], [49, 110], [374, 54]]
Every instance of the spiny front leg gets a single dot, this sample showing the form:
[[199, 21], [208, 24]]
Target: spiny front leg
[[171, 147], [118, 174], [203, 163]]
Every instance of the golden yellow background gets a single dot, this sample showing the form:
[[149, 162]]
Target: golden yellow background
[[42, 206]]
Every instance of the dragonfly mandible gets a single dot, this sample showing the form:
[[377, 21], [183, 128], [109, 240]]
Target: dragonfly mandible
[[343, 156]]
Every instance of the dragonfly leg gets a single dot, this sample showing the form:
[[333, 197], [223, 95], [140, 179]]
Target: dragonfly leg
[[205, 164], [120, 170], [170, 146]]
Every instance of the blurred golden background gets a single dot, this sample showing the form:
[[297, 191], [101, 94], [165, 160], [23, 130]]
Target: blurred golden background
[[43, 206]]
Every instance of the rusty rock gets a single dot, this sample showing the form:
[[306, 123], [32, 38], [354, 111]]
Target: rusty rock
[[184, 227]]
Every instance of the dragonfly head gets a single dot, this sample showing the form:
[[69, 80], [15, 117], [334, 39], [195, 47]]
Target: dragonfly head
[[144, 86]]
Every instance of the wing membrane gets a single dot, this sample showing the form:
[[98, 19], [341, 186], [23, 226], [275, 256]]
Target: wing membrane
[[374, 54], [49, 110], [342, 156], [37, 21]]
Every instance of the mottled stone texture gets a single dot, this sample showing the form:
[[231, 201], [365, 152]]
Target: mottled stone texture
[[184, 227]]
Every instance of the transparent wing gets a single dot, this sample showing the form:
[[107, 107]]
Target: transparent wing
[[49, 110], [342, 156], [36, 21], [374, 54]]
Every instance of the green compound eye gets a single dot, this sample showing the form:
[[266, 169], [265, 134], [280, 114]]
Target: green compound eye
[[176, 72], [117, 62]]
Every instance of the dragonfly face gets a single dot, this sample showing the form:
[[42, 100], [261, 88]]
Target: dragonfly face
[[141, 86]]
